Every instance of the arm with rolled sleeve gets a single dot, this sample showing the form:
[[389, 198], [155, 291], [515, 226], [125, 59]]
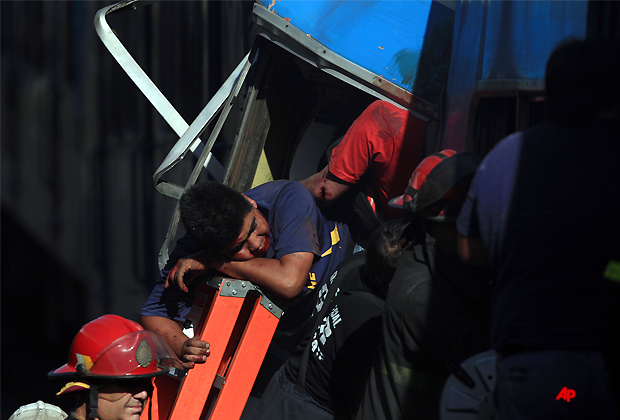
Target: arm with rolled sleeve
[[484, 216], [470, 246], [352, 158]]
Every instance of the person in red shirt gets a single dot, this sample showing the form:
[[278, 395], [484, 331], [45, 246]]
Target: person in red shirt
[[379, 151]]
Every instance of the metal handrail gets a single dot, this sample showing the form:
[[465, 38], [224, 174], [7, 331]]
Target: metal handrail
[[189, 134]]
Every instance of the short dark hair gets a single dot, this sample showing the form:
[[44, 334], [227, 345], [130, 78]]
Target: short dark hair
[[383, 253], [214, 214], [581, 79]]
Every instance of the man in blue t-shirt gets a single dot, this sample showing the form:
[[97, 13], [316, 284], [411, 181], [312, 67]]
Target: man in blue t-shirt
[[535, 213], [274, 236]]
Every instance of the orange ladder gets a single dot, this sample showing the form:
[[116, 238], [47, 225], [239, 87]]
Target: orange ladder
[[238, 321]]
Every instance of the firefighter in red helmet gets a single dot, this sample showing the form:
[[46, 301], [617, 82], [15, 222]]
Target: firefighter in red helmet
[[112, 361], [436, 307]]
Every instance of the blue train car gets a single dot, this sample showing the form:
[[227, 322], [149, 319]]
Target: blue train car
[[473, 70], [499, 53], [324, 63], [401, 47]]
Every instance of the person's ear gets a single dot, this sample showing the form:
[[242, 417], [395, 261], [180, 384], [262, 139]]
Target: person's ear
[[251, 201]]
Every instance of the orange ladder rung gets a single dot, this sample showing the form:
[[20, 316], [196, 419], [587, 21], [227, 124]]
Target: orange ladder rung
[[238, 321]]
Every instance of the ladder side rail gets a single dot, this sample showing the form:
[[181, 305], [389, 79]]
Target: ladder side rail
[[246, 364], [164, 392], [239, 322], [198, 382], [165, 388]]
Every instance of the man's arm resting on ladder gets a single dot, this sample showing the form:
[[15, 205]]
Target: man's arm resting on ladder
[[285, 277], [189, 350]]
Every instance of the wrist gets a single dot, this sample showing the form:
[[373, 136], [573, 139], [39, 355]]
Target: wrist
[[203, 257]]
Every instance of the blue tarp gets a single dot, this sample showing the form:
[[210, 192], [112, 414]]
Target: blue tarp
[[384, 37], [503, 40]]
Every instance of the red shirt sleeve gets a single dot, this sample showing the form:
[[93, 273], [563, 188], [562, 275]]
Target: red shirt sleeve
[[387, 138], [355, 153]]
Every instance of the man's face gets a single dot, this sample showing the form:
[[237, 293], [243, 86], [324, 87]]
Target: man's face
[[123, 400], [253, 241]]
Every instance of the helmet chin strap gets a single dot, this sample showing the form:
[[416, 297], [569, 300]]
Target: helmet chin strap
[[94, 397]]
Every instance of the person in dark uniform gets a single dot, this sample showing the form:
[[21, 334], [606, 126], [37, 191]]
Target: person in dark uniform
[[326, 375], [436, 307], [531, 213]]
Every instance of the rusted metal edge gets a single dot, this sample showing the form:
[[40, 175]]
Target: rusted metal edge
[[281, 32]]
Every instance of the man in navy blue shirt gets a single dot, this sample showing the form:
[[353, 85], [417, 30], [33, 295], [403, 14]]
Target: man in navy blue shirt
[[274, 236], [436, 306], [535, 212]]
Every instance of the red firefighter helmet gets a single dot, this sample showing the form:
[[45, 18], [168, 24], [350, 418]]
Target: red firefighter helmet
[[112, 347], [435, 179]]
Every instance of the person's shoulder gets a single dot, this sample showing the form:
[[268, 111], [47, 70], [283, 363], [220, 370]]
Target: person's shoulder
[[278, 185], [504, 152], [384, 105], [412, 279], [358, 307], [379, 109], [379, 103], [279, 190], [409, 297], [508, 143], [294, 189], [267, 186], [357, 299], [382, 110], [349, 272], [292, 185], [290, 199]]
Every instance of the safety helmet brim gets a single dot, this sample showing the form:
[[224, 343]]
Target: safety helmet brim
[[114, 348], [137, 354], [437, 182]]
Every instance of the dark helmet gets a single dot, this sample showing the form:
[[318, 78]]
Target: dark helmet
[[438, 181]]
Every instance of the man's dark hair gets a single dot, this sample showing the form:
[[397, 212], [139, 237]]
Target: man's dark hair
[[214, 213], [383, 253], [581, 79]]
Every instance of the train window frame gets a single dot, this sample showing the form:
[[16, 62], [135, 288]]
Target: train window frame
[[502, 107]]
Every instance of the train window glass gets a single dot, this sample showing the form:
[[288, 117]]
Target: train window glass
[[498, 117], [495, 119], [293, 112], [536, 110]]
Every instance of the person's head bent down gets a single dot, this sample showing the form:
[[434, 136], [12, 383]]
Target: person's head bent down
[[438, 185], [225, 221], [112, 361], [436, 193]]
